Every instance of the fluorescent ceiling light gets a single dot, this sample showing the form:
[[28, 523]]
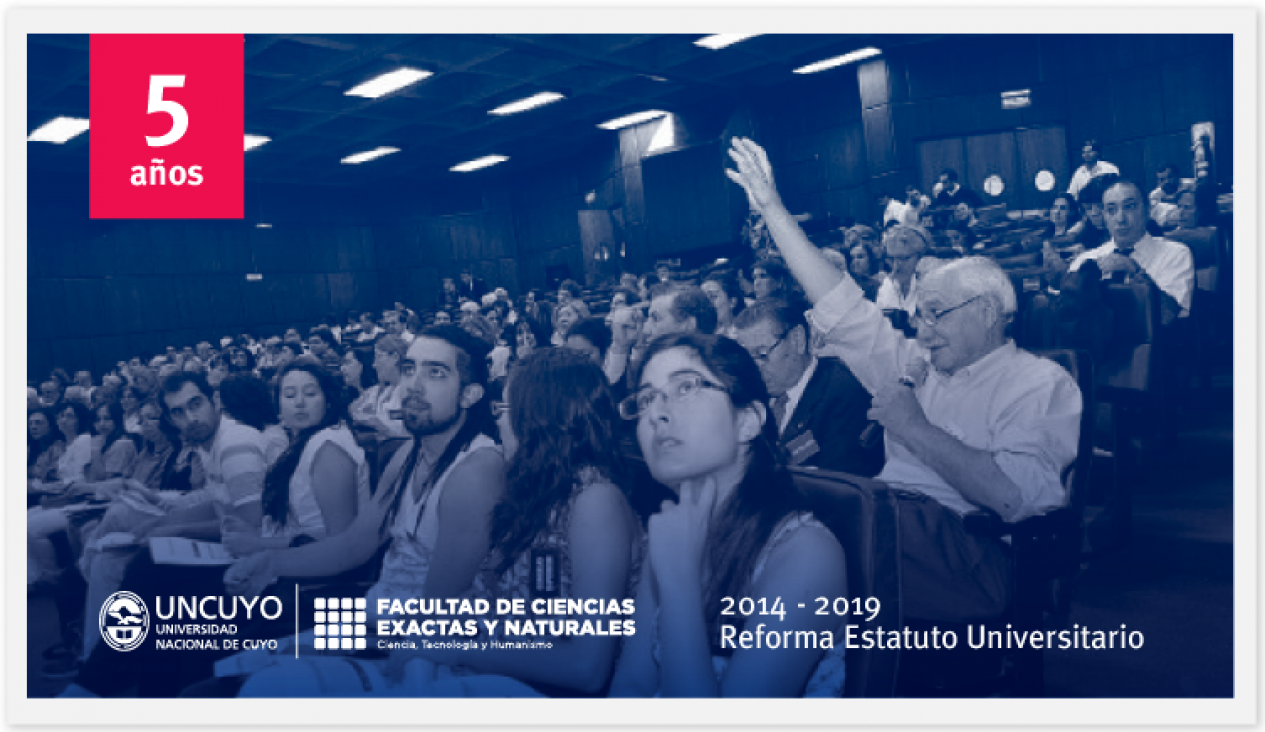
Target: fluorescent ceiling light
[[522, 105], [388, 83], [720, 40], [59, 130], [263, 226], [254, 141], [846, 58], [368, 155], [632, 119], [483, 162]]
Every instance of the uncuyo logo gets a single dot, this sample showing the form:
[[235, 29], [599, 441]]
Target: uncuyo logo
[[124, 621]]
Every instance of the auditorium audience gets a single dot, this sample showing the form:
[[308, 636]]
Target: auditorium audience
[[252, 445], [562, 497], [311, 491], [985, 425], [435, 496], [739, 530]]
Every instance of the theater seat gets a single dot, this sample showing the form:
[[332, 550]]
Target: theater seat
[[862, 514]]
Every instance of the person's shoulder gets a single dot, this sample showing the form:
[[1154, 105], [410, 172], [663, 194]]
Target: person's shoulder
[[232, 433], [799, 540], [1039, 369], [482, 461]]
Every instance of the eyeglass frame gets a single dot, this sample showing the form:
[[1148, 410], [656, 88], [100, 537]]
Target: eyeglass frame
[[918, 319], [655, 393], [764, 357]]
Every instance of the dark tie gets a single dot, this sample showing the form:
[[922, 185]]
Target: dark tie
[[779, 410]]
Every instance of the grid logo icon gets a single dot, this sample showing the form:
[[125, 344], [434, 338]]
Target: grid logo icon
[[340, 623]]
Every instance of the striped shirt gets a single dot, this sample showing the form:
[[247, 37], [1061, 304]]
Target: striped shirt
[[236, 451]]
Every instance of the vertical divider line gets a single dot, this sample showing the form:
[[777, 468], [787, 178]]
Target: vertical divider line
[[296, 619]]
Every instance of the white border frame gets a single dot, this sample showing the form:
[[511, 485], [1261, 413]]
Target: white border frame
[[1242, 22]]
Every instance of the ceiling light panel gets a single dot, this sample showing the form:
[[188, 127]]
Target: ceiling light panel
[[846, 58], [632, 119], [368, 155], [532, 102], [59, 130], [388, 82], [721, 40]]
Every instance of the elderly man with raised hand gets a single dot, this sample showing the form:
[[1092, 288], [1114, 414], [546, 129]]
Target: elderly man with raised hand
[[971, 420]]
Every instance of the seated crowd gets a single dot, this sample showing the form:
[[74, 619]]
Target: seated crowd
[[445, 453]]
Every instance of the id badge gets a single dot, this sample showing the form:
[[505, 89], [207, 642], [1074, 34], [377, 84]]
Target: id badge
[[802, 448]]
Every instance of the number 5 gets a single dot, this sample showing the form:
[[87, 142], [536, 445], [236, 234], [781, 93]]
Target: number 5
[[179, 117]]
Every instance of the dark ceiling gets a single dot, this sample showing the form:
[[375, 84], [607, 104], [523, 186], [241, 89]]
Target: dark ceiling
[[295, 94]]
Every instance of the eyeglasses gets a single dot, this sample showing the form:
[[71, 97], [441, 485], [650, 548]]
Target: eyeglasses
[[499, 408], [932, 319], [761, 355], [681, 389]]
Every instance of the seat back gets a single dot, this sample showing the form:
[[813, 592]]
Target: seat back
[[1081, 366], [1205, 249], [862, 514], [1128, 363]]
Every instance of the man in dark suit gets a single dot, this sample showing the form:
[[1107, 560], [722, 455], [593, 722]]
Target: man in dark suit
[[819, 405]]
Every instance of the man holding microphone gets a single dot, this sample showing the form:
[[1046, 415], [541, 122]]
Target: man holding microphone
[[971, 421]]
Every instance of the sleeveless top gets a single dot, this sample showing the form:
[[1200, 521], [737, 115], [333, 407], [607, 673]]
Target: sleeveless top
[[829, 675], [545, 568], [414, 532], [304, 515]]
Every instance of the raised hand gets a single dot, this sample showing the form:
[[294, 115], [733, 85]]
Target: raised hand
[[754, 174]]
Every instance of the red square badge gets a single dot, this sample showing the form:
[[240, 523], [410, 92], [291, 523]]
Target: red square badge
[[167, 133]]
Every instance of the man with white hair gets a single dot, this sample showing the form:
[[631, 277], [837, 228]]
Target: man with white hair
[[972, 421]]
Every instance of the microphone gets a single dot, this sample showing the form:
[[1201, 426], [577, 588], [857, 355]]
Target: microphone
[[914, 377]]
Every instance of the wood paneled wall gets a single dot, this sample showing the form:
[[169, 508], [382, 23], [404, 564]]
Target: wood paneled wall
[[1137, 95]]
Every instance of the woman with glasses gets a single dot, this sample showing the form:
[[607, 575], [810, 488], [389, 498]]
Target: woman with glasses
[[739, 530], [898, 294]]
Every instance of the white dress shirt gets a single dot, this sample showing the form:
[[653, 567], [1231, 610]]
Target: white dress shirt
[[1024, 410], [794, 394], [1168, 263]]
